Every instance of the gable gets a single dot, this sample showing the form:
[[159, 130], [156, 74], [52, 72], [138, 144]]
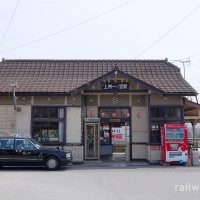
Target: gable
[[117, 81]]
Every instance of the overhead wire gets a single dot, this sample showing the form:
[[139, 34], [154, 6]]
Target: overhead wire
[[9, 24], [192, 56], [168, 32], [68, 28]]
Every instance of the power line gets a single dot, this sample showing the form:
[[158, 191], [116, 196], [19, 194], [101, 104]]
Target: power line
[[7, 29], [193, 64], [192, 56], [68, 28], [169, 31]]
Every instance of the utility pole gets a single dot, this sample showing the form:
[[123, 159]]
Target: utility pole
[[183, 62]]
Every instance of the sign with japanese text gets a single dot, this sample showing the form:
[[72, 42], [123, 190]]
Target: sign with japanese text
[[115, 86], [155, 148]]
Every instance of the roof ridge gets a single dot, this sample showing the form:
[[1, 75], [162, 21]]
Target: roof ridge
[[103, 60]]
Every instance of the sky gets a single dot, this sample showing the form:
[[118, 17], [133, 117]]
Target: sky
[[103, 29]]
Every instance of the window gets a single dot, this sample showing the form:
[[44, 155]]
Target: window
[[157, 112], [24, 144], [167, 113], [105, 134], [161, 116], [155, 132], [114, 113], [173, 113], [6, 143], [48, 124]]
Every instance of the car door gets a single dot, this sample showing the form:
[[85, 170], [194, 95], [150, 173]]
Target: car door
[[7, 152], [26, 153]]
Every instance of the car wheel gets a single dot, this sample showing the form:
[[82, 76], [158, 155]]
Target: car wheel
[[52, 163]]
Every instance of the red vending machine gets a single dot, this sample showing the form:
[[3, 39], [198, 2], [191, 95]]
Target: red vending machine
[[174, 141]]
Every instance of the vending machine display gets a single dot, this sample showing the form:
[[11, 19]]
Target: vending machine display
[[174, 138]]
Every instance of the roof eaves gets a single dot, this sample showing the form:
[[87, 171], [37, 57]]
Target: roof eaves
[[35, 94], [182, 93]]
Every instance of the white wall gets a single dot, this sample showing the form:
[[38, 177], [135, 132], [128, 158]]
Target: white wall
[[139, 151], [140, 124], [7, 120], [73, 125], [23, 121]]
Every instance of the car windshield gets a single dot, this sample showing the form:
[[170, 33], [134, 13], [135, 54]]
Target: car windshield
[[36, 144]]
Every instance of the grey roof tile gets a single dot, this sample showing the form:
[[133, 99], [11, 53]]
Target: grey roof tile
[[67, 75]]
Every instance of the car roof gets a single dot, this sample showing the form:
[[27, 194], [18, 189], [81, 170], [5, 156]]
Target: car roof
[[9, 137]]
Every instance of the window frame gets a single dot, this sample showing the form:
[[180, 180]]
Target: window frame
[[160, 121], [48, 120]]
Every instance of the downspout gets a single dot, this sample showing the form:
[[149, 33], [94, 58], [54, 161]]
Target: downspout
[[14, 87], [14, 99]]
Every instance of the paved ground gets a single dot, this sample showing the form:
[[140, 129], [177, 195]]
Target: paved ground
[[105, 182]]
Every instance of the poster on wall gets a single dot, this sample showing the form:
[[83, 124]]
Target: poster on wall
[[118, 134]]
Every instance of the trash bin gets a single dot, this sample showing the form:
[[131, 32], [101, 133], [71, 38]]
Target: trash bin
[[195, 157]]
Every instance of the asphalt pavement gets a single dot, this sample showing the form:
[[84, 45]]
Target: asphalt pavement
[[99, 182]]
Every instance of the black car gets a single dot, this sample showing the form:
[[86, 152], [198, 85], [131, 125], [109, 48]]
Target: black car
[[15, 151]]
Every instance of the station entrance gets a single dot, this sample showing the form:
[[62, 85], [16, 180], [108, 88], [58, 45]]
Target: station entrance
[[108, 137], [114, 134]]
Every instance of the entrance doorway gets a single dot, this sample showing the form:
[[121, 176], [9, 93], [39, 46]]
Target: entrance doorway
[[91, 141], [114, 140], [115, 134]]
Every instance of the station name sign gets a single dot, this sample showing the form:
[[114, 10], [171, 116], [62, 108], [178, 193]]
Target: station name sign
[[115, 86]]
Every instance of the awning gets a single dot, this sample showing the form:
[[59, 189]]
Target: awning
[[192, 115]]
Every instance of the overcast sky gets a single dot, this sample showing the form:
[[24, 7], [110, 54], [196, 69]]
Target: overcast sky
[[102, 29]]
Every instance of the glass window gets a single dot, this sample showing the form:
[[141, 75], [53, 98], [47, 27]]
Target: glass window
[[161, 116], [174, 113], [105, 135], [104, 113], [53, 112], [40, 112], [61, 112], [125, 113], [36, 144], [53, 132], [157, 112], [28, 145], [114, 113], [155, 133], [19, 144], [50, 130], [24, 144], [6, 143]]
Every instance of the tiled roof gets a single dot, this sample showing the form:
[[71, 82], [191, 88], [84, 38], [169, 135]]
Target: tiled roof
[[63, 76]]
